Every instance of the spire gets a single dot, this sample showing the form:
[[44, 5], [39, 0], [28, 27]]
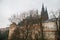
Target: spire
[[46, 10], [44, 13], [42, 6]]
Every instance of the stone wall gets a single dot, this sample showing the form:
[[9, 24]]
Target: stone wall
[[11, 30], [33, 32], [50, 30]]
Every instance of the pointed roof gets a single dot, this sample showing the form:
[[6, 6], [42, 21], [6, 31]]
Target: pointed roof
[[44, 13], [42, 7]]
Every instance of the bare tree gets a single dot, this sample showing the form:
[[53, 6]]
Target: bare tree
[[56, 21], [59, 25], [28, 21]]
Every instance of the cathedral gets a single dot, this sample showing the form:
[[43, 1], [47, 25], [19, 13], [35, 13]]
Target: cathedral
[[44, 13], [34, 28]]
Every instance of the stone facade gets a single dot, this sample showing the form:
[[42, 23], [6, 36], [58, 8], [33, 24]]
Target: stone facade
[[50, 30], [33, 32], [34, 28], [11, 30]]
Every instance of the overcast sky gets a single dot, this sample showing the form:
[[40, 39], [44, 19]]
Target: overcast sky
[[9, 7]]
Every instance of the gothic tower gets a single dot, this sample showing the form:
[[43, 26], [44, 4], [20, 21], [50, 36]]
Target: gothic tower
[[44, 13]]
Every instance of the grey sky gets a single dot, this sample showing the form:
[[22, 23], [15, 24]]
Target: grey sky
[[9, 7]]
